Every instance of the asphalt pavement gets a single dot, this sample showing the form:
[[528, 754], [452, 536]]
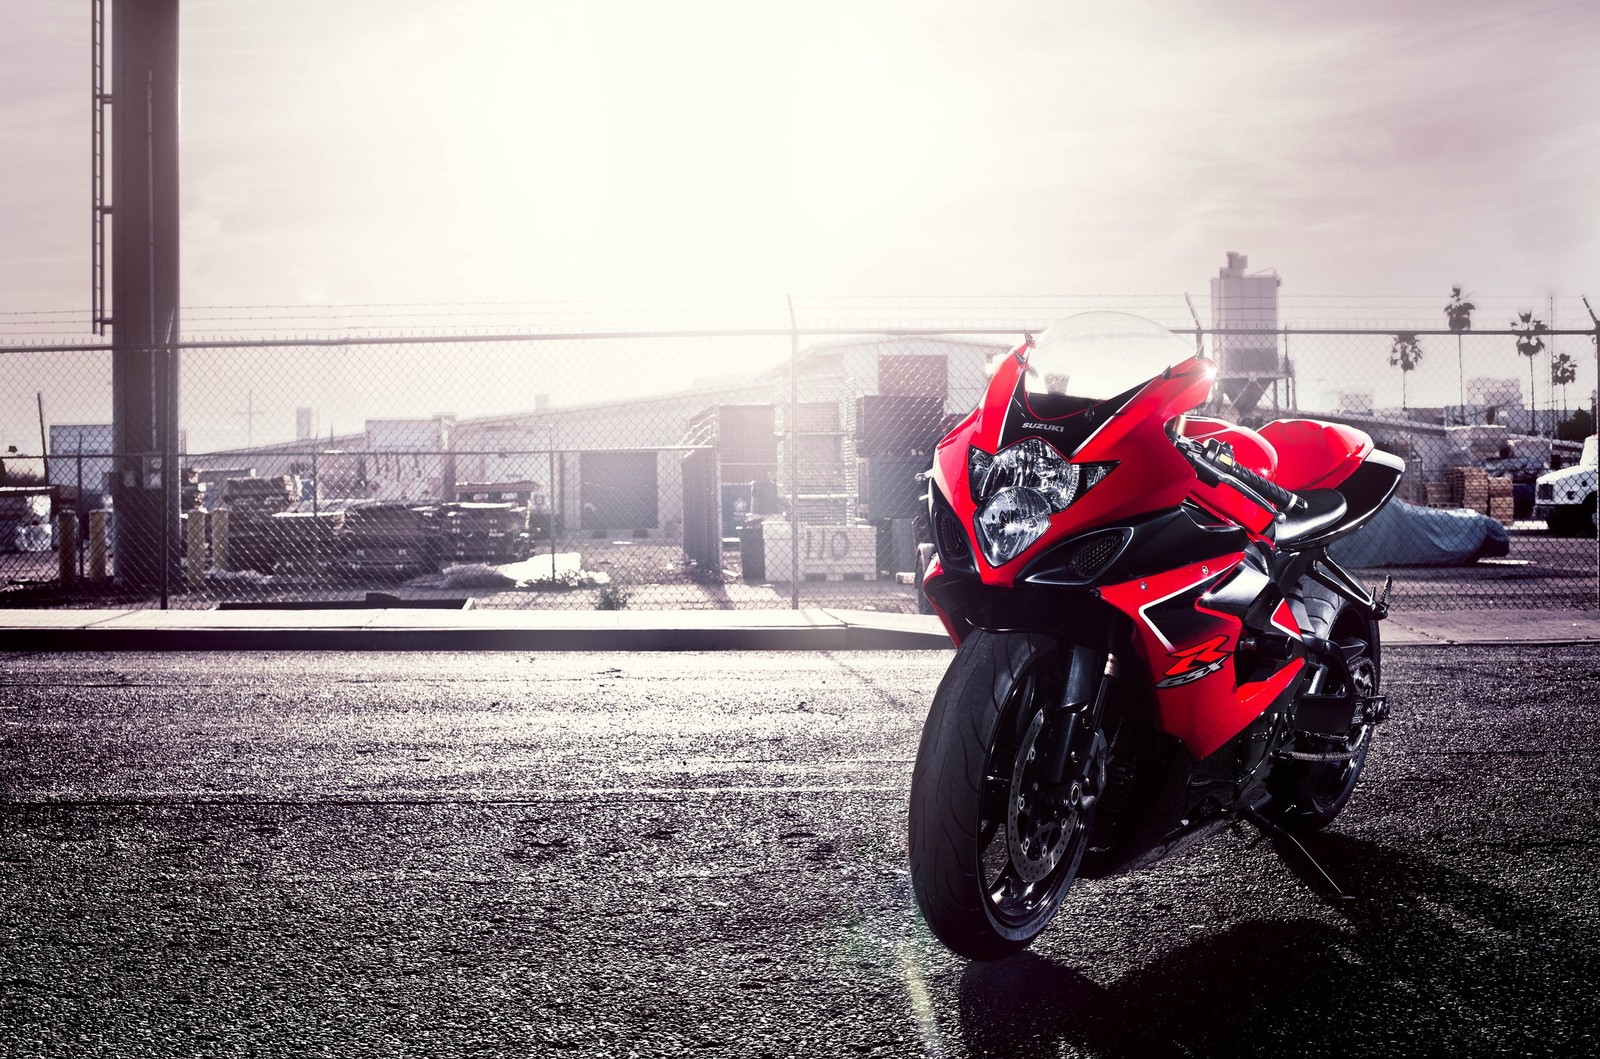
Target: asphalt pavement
[[529, 854]]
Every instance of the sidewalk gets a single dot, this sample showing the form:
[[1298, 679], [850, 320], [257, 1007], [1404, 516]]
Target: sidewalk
[[396, 629]]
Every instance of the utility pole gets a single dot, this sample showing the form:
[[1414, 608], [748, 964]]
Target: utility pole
[[144, 286]]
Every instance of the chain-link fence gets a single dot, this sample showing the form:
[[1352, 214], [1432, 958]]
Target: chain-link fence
[[763, 464]]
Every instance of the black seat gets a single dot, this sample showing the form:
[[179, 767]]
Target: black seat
[[1323, 511]]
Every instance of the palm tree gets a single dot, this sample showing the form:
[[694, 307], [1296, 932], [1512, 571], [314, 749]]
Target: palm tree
[[1405, 354], [1530, 345], [1563, 372], [1458, 314]]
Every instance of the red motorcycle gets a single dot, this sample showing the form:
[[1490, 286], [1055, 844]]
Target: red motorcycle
[[1151, 638]]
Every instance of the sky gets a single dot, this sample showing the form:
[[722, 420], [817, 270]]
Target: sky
[[415, 153]]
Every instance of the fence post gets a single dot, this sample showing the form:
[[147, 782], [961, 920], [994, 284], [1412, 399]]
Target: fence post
[[67, 546], [78, 506], [194, 543], [794, 458], [550, 491], [97, 545], [219, 538], [1594, 423], [171, 490]]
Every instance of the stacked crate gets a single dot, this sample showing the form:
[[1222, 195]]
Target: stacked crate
[[1501, 504], [1469, 488], [483, 532], [307, 538], [388, 541], [1472, 488], [253, 542]]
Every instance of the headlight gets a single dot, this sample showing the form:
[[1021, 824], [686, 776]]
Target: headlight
[[1010, 521], [1017, 490]]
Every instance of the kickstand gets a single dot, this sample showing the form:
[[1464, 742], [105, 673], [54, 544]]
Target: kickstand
[[1269, 829]]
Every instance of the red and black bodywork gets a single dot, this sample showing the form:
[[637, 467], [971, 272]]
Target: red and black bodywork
[[1185, 558]]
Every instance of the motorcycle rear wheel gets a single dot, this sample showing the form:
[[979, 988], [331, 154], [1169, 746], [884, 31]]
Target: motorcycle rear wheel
[[994, 845], [1310, 795]]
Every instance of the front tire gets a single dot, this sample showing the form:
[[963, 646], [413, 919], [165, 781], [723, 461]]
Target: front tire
[[994, 842]]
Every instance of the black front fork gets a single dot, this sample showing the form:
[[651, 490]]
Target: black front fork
[[1082, 710]]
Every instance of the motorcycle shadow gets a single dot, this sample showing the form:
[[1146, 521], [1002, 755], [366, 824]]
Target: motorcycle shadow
[[1426, 960]]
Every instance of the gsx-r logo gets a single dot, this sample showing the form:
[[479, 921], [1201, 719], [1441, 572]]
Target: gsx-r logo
[[1195, 663]]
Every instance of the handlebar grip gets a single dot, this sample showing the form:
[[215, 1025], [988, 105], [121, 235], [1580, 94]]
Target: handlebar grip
[[1281, 498], [1217, 459]]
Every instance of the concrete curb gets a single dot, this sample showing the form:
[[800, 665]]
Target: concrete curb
[[400, 629]]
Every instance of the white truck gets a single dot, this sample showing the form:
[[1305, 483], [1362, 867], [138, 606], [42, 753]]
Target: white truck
[[1565, 499]]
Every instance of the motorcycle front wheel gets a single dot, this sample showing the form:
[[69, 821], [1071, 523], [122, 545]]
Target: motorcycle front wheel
[[1006, 779]]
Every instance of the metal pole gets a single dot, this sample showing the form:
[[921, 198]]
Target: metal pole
[[794, 458], [97, 128], [1594, 423], [550, 471], [44, 446], [1551, 423], [167, 483], [156, 376], [145, 286], [1289, 387], [78, 507]]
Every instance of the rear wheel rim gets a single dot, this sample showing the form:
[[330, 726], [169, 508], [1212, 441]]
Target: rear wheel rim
[[1333, 781]]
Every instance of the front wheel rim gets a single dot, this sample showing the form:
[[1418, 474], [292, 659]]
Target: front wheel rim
[[1032, 833]]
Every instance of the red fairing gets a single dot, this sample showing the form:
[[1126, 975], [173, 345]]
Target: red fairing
[[1151, 474], [1283, 618], [1313, 454], [1188, 650], [957, 631]]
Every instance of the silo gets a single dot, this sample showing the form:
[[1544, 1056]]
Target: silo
[[1248, 364]]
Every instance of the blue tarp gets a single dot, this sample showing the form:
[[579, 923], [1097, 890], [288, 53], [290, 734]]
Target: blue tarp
[[1404, 534]]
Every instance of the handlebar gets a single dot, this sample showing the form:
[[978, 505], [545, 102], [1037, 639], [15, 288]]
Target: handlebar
[[1214, 462]]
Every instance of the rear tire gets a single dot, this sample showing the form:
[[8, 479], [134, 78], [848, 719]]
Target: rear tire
[[1310, 795], [994, 846]]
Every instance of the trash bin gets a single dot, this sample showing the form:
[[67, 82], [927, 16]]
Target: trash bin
[[752, 551], [764, 499], [897, 546]]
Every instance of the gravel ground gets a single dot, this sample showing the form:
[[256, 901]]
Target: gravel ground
[[500, 854]]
